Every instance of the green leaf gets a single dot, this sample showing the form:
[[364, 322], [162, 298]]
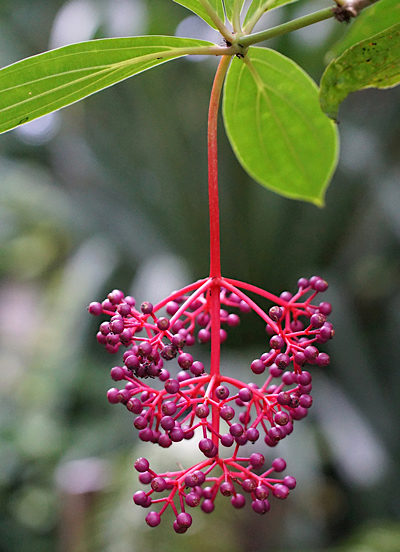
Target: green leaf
[[40, 84], [197, 7], [372, 63], [259, 7], [371, 21], [229, 7], [276, 127]]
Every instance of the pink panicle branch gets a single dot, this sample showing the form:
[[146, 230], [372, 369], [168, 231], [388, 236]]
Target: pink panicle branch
[[174, 397]]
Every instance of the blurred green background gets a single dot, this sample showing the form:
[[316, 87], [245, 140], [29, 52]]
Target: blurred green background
[[111, 192]]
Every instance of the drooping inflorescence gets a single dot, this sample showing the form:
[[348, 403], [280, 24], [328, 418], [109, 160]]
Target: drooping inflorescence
[[173, 396]]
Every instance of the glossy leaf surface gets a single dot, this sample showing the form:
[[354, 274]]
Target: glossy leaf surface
[[276, 127], [198, 8], [229, 7], [372, 63], [44, 83]]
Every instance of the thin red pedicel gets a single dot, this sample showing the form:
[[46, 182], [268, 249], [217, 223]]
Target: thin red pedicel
[[199, 399]]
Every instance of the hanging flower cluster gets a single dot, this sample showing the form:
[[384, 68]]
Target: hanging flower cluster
[[173, 396]]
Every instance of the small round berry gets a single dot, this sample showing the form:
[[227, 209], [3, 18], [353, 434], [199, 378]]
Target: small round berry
[[146, 434], [320, 285], [178, 528], [105, 328], [134, 405], [176, 326], [286, 295], [283, 398], [248, 485], [306, 401], [145, 349], [117, 326], [236, 430], [227, 440], [317, 320], [299, 413], [95, 308], [185, 360], [206, 445], [282, 361], [326, 332], [169, 408], [311, 352], [176, 434], [169, 352], [146, 307], [142, 465], [221, 392], [281, 418], [172, 307], [132, 362], [193, 500], [117, 373], [227, 488], [232, 320], [204, 336], [238, 501], [171, 386], [302, 283], [275, 313], [252, 434], [163, 375], [178, 340], [290, 482], [202, 411], [158, 484], [325, 308], [258, 506], [296, 325], [244, 307], [184, 520], [274, 371], [197, 368], [163, 324], [145, 478], [101, 338], [153, 519], [280, 491], [279, 464], [164, 441], [223, 334], [167, 423], [313, 280], [256, 460], [140, 498], [257, 366], [323, 359], [207, 506], [227, 412], [182, 376], [124, 309], [276, 342], [113, 396], [245, 394], [261, 492]]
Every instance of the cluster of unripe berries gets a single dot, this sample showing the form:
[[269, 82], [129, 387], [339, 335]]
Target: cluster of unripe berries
[[228, 413]]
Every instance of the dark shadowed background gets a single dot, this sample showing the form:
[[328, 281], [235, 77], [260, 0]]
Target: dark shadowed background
[[111, 192]]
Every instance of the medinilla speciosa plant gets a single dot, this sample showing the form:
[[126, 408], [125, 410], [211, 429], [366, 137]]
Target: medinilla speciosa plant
[[279, 133]]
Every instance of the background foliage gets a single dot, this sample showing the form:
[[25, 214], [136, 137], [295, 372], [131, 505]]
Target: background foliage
[[112, 193]]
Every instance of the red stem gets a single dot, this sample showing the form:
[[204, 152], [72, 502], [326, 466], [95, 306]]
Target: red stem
[[215, 256], [215, 261]]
